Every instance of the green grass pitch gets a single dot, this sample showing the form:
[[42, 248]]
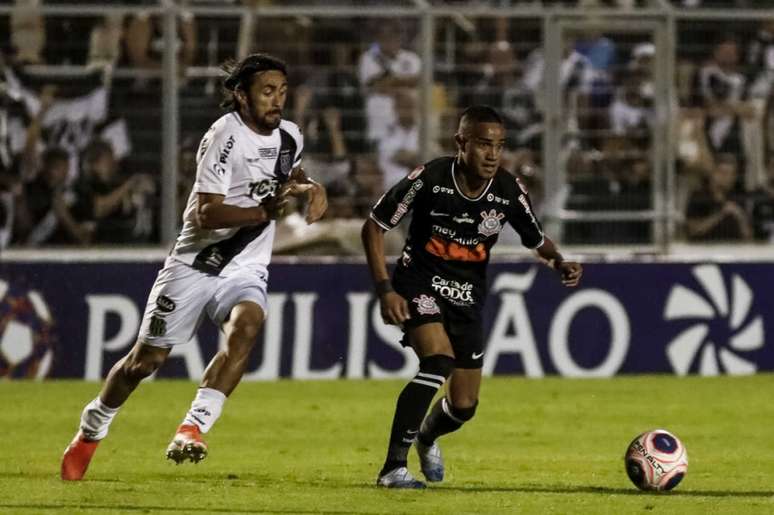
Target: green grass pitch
[[535, 446]]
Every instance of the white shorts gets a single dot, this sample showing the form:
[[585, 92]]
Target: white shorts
[[182, 295]]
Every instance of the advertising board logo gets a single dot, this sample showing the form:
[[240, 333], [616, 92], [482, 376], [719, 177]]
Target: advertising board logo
[[27, 336], [723, 327]]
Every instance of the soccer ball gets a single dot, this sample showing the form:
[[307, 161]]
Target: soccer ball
[[27, 337], [656, 460]]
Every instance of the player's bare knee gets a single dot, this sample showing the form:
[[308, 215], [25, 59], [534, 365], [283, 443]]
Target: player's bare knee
[[138, 366], [244, 332], [246, 322], [461, 399]]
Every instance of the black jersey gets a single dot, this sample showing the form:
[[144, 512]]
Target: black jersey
[[451, 235]]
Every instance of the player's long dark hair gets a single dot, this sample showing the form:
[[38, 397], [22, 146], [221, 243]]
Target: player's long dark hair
[[240, 73]]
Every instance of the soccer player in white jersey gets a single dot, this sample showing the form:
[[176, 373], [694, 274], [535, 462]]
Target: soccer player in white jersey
[[247, 167]]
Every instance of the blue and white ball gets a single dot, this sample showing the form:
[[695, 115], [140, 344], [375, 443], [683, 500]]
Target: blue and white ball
[[656, 460]]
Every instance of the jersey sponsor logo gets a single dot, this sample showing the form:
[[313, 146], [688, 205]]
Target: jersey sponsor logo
[[453, 251], [405, 257], [157, 326], [464, 219], [260, 190], [436, 213], [443, 189], [165, 304], [521, 185], [459, 294], [416, 172], [226, 150], [490, 225], [218, 169], [404, 204], [494, 198], [451, 233], [267, 153], [203, 146], [426, 305], [525, 203], [446, 231], [401, 210]]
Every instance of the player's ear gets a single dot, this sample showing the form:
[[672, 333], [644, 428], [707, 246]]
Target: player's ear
[[460, 140], [239, 95]]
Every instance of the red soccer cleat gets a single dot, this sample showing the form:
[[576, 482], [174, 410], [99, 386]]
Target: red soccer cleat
[[77, 457], [187, 444]]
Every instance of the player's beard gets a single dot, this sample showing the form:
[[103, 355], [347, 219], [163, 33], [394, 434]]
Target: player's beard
[[262, 122]]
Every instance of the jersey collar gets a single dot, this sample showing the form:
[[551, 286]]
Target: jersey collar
[[251, 134], [456, 187]]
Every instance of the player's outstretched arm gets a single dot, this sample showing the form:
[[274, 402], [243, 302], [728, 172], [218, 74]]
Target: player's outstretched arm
[[212, 213], [394, 308], [570, 271]]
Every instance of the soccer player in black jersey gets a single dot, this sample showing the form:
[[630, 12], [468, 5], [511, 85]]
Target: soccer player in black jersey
[[438, 288]]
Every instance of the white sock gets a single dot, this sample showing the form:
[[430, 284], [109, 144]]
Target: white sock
[[96, 419], [205, 409]]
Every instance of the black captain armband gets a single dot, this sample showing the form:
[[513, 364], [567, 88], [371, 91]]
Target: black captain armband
[[384, 286]]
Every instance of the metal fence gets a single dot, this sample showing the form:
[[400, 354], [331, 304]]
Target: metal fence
[[639, 125]]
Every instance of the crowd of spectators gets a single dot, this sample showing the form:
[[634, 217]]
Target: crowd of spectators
[[81, 115]]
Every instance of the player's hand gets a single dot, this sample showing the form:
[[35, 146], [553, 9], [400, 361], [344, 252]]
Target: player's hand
[[394, 308], [294, 189], [317, 199], [570, 272], [275, 206], [318, 203]]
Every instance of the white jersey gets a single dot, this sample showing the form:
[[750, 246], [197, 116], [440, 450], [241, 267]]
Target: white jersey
[[245, 167]]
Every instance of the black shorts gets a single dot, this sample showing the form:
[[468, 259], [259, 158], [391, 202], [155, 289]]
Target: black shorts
[[460, 319]]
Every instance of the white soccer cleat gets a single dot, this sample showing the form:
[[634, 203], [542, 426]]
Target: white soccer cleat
[[399, 478], [431, 461]]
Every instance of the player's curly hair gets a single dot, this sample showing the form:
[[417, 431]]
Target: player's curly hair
[[240, 73]]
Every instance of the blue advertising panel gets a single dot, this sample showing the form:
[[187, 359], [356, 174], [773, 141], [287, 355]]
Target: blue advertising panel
[[74, 320]]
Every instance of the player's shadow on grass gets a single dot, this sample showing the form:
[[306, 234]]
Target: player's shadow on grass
[[604, 490]]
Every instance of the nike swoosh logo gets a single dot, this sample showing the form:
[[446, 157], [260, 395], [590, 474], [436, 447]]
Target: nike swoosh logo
[[476, 356], [435, 213]]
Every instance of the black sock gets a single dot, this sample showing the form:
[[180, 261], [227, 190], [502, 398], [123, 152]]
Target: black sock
[[443, 419], [412, 405]]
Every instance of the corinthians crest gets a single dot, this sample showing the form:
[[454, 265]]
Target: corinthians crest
[[426, 305], [490, 224]]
